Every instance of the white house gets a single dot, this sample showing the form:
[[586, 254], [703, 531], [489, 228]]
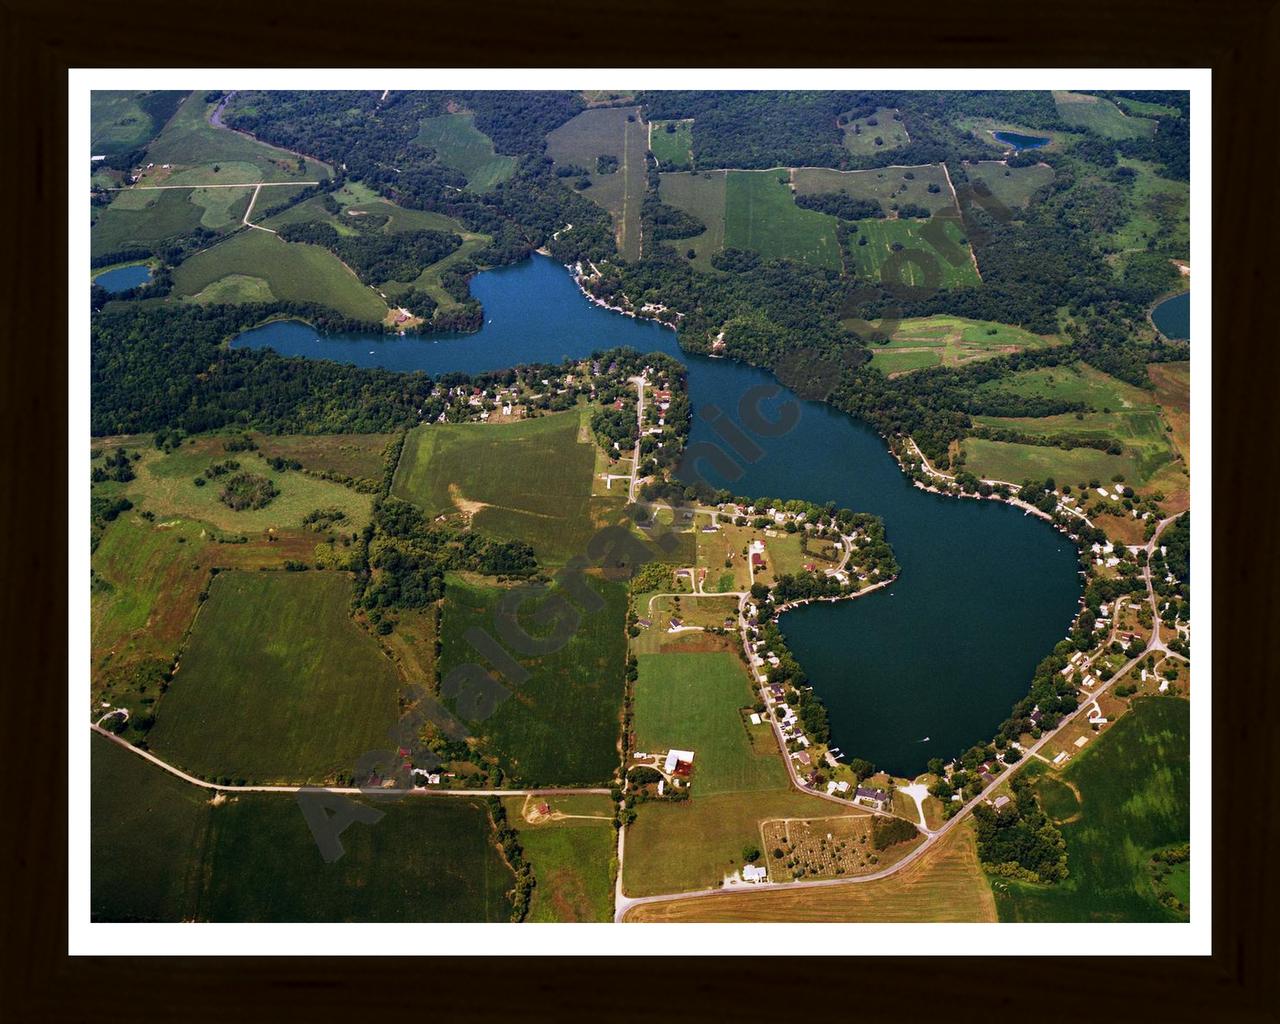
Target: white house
[[754, 873]]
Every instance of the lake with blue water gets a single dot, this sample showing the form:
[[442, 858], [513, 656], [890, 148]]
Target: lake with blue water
[[1172, 317], [123, 278], [1019, 141], [924, 668]]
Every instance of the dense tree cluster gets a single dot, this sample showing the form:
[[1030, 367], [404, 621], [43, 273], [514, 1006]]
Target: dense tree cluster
[[1019, 841], [375, 256]]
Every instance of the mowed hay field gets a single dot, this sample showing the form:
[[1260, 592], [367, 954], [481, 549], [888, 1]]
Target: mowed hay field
[[1100, 115], [761, 215], [528, 480], [1011, 186], [861, 133], [1115, 410], [607, 131], [459, 144], [928, 254], [702, 195], [292, 271], [164, 850], [1134, 798], [560, 726], [950, 341], [277, 683], [946, 884], [889, 186], [572, 856], [671, 142]]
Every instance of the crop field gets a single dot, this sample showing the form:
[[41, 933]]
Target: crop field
[[144, 219], [761, 215], [606, 131], [860, 134], [702, 195], [1012, 186], [1134, 798], [673, 147], [917, 261], [693, 702], [560, 727], [277, 683], [124, 120], [1100, 115], [947, 884], [1160, 210], [571, 857], [528, 480], [193, 148], [292, 270], [950, 341], [163, 850], [165, 484], [889, 186], [459, 144]]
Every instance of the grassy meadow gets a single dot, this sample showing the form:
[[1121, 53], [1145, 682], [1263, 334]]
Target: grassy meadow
[[277, 683], [673, 147], [122, 120], [459, 144], [918, 261], [572, 858], [1080, 110], [949, 341], [1159, 209], [1012, 186], [861, 133], [701, 194], [889, 186], [560, 727], [761, 215]]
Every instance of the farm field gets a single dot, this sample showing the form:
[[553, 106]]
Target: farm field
[[1012, 186], [360, 456], [889, 186], [761, 215], [121, 120], [292, 271], [947, 884], [165, 484], [950, 341], [917, 261], [1173, 395], [675, 147], [1160, 210], [702, 195], [606, 131], [1134, 797], [277, 684], [1100, 115], [529, 480], [860, 133], [560, 727], [571, 857], [459, 144], [136, 219], [163, 850]]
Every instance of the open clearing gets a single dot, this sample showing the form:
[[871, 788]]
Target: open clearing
[[560, 727], [950, 341], [608, 131], [761, 215], [861, 133], [277, 684], [528, 480], [904, 252], [161, 851], [1012, 186], [293, 271], [702, 196], [121, 121], [571, 856], [1081, 110], [1173, 394], [672, 148], [459, 144], [946, 884], [889, 186], [1134, 798], [1160, 210]]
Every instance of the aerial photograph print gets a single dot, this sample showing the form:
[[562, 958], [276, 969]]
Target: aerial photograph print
[[517, 504]]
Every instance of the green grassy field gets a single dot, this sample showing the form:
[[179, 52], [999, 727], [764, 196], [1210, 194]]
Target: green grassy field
[[950, 341], [692, 702], [160, 851], [192, 146], [606, 131], [672, 147], [1100, 115], [143, 219], [124, 120], [527, 480], [701, 195], [277, 683], [459, 144], [889, 186], [1160, 210], [1134, 786], [571, 861], [860, 134], [1012, 186], [948, 267], [561, 726], [761, 215], [291, 270]]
